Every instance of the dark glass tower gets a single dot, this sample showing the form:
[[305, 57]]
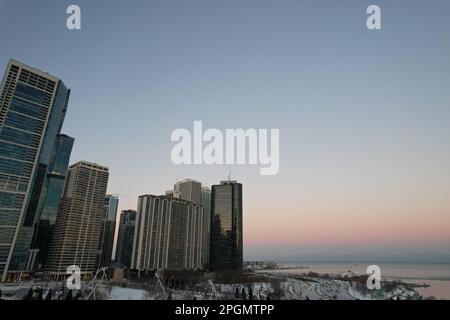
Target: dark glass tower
[[51, 198], [108, 230], [32, 109], [226, 227], [125, 237]]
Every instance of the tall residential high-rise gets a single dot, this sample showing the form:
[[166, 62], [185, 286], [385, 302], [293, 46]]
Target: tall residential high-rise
[[50, 200], [226, 226], [108, 230], [78, 227], [205, 201], [189, 190], [168, 234], [32, 110], [125, 238], [193, 190]]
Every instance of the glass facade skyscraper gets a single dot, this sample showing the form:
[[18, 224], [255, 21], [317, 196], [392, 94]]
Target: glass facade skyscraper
[[226, 227], [108, 230], [32, 110], [51, 199], [125, 237]]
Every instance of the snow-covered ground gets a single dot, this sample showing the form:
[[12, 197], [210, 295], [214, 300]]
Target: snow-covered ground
[[119, 293], [277, 286]]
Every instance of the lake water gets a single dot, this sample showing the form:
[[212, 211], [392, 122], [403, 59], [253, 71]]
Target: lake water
[[437, 275]]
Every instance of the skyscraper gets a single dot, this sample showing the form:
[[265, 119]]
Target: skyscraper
[[78, 227], [50, 199], [168, 234], [32, 109], [189, 190], [226, 226], [125, 238], [193, 190], [205, 201], [108, 229]]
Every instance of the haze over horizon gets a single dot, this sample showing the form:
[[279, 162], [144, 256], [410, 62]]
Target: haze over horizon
[[364, 116]]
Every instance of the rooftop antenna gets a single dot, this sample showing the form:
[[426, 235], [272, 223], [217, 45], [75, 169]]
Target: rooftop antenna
[[229, 176]]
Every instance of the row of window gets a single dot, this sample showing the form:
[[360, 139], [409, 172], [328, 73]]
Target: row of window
[[14, 167], [11, 200], [36, 80], [32, 94]]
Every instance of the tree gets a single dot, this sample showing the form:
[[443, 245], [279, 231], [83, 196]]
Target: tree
[[49, 295], [29, 295], [40, 296], [236, 293], [243, 294], [250, 293]]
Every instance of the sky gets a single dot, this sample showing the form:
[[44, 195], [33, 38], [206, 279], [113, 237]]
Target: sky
[[364, 116]]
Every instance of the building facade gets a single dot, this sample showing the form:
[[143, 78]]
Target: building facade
[[125, 237], [50, 200], [226, 252], [32, 110], [108, 230], [78, 227], [168, 234], [205, 201], [193, 190], [189, 190]]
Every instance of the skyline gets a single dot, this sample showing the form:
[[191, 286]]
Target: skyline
[[364, 121]]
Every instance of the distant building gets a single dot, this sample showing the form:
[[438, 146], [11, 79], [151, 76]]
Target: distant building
[[168, 234], [78, 225], [189, 190], [33, 104], [226, 227], [193, 190], [205, 201], [173, 193], [125, 237], [108, 230]]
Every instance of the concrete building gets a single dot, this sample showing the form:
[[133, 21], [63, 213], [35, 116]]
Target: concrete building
[[189, 190], [78, 225], [168, 234]]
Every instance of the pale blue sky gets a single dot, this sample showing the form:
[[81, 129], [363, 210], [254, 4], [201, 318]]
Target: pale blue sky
[[364, 116]]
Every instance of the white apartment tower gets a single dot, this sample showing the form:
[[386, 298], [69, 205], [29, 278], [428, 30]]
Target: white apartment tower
[[78, 225], [169, 234]]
